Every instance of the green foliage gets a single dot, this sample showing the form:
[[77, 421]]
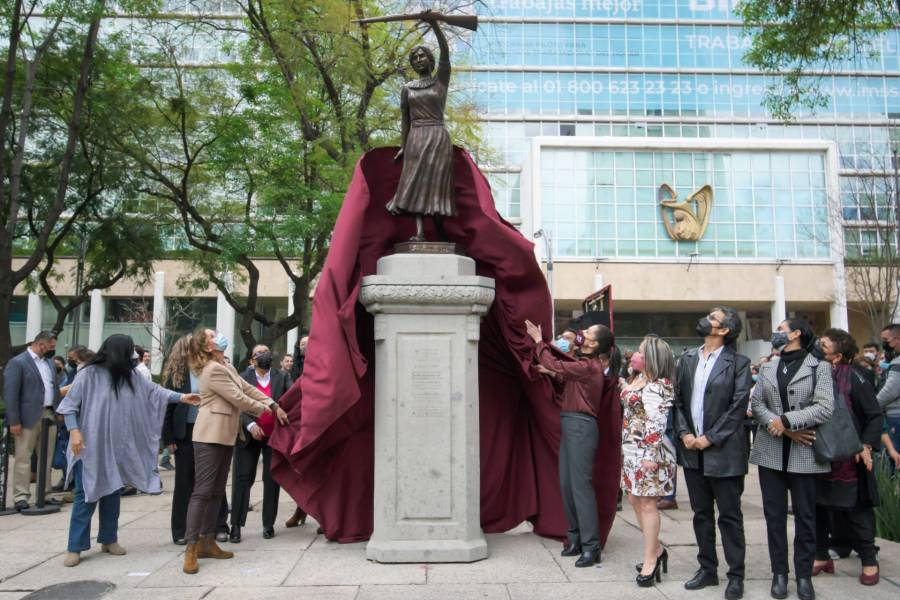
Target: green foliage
[[887, 514], [806, 40]]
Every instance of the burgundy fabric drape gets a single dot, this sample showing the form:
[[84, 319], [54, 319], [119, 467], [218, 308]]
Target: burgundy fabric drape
[[324, 459]]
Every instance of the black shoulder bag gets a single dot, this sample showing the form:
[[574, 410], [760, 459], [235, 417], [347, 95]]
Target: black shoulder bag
[[837, 438]]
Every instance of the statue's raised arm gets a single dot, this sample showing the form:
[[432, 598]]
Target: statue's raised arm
[[443, 69]]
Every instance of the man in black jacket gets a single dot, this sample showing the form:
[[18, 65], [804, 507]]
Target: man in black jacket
[[712, 392], [251, 442]]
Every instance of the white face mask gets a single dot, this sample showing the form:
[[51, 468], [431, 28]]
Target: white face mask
[[869, 356]]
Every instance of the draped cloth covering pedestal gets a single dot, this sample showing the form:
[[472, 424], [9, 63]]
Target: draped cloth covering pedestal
[[324, 458]]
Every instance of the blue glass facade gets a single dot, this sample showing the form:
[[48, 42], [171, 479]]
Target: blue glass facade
[[670, 69], [767, 205]]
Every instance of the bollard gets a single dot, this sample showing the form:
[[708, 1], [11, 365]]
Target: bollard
[[4, 470], [40, 508]]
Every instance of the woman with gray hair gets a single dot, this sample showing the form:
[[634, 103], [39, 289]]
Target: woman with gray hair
[[648, 469]]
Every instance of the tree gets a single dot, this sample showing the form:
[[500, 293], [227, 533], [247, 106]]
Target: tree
[[873, 258], [48, 182], [802, 42]]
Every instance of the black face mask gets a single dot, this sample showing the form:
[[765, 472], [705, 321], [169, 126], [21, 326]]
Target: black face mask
[[264, 361], [704, 327], [817, 351], [72, 364], [886, 346], [49, 354]]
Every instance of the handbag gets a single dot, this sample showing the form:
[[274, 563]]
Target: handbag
[[837, 438]]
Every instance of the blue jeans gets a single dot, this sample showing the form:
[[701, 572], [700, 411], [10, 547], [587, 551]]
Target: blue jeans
[[82, 512]]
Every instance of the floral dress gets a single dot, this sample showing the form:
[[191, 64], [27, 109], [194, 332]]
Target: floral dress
[[646, 412]]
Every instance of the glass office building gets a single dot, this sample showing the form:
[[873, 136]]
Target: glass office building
[[590, 106]]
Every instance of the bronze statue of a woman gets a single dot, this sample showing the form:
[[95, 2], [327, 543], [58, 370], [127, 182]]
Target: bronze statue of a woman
[[426, 182]]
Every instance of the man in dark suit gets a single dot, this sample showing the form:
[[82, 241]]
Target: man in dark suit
[[31, 392], [712, 392], [251, 442]]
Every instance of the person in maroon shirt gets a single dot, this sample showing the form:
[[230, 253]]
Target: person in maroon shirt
[[584, 381]]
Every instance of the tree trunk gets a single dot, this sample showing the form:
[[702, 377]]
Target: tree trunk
[[59, 203]]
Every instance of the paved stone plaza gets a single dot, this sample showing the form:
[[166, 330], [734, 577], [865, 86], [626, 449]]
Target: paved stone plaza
[[299, 565]]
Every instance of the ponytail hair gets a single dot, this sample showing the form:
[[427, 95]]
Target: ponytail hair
[[807, 336], [606, 341]]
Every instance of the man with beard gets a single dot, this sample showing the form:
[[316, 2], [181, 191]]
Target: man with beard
[[712, 389]]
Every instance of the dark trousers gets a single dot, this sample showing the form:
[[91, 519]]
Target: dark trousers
[[184, 487], [246, 458], [857, 524], [577, 449], [724, 493], [775, 486], [211, 463]]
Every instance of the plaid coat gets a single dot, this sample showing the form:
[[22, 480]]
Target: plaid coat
[[809, 406]]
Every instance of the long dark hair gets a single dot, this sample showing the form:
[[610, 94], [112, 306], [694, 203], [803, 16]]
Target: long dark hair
[[807, 336], [115, 355], [606, 347]]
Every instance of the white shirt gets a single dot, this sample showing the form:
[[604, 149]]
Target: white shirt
[[46, 375], [701, 376]]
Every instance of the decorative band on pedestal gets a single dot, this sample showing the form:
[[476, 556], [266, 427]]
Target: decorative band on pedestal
[[463, 295]]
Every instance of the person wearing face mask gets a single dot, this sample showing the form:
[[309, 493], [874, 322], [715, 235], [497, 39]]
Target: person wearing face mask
[[868, 363], [565, 345], [224, 395], [648, 465], [712, 389], [114, 417], [587, 387], [251, 442], [31, 393], [793, 396], [889, 393], [846, 496]]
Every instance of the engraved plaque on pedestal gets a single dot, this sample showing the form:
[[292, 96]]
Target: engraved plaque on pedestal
[[423, 404]]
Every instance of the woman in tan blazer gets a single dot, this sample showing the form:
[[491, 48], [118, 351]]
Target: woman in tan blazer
[[223, 396]]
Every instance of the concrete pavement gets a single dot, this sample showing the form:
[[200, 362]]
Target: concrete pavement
[[298, 564]]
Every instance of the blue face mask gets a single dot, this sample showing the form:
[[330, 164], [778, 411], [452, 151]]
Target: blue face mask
[[221, 342], [755, 377], [885, 365], [562, 344]]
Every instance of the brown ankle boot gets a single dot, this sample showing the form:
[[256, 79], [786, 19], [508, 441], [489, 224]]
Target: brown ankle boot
[[190, 559], [209, 548], [298, 518]]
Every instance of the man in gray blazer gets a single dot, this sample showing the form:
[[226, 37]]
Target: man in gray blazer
[[31, 391]]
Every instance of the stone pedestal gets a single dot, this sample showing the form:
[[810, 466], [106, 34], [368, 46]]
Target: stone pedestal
[[428, 310]]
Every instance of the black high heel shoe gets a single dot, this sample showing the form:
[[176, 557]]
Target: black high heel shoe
[[647, 580], [663, 558]]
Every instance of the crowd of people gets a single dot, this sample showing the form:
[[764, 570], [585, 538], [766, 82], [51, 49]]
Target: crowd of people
[[692, 410], [820, 414], [108, 422]]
